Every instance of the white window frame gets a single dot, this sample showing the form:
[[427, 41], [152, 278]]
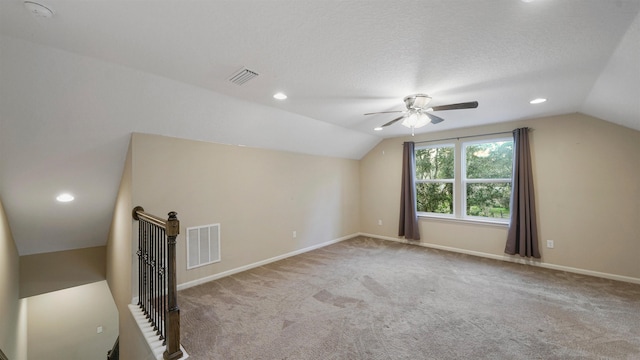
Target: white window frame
[[451, 181], [460, 182], [464, 181]]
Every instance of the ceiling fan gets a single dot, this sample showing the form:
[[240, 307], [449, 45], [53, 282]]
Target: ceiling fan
[[417, 114]]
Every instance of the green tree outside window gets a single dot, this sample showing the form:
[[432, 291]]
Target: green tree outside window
[[434, 179]]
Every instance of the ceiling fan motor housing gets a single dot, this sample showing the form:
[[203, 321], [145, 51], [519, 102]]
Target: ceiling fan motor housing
[[417, 101]]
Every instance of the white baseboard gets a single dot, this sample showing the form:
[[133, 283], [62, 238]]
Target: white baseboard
[[203, 280], [155, 345], [513, 259]]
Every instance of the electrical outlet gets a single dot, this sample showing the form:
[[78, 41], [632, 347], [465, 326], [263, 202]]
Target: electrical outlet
[[99, 330], [295, 234], [550, 244], [379, 222]]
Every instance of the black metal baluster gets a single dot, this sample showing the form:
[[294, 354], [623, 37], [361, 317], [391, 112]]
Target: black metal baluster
[[139, 264], [145, 281], [161, 282], [151, 280], [147, 276], [157, 291], [164, 290], [155, 280], [156, 311]]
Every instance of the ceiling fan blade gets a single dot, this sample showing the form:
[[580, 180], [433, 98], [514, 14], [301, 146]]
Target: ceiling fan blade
[[384, 112], [434, 119], [393, 121], [467, 105]]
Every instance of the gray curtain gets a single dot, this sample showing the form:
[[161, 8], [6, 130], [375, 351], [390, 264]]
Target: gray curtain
[[523, 233], [408, 214]]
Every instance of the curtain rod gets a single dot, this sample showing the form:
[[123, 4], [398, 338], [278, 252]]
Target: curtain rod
[[465, 137]]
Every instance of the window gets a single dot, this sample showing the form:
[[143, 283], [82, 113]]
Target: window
[[473, 185], [487, 178], [435, 179]]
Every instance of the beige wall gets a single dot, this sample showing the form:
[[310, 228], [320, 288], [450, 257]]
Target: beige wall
[[47, 272], [63, 324], [67, 298], [258, 196], [12, 310], [119, 255], [119, 261], [587, 193]]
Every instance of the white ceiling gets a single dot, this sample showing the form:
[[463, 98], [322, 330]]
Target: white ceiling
[[73, 87]]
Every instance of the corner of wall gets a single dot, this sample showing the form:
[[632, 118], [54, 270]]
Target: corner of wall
[[13, 340], [119, 263]]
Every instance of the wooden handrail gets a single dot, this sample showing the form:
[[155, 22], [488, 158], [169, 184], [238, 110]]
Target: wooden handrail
[[157, 264], [114, 353], [138, 213]]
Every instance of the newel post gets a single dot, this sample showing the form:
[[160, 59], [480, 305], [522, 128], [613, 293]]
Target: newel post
[[172, 320]]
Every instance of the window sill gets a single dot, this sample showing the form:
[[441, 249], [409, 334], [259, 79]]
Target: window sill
[[448, 219]]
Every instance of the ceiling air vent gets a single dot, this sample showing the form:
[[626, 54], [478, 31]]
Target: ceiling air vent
[[242, 76]]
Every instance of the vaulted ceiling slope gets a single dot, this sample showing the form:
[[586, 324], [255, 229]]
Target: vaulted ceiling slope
[[74, 86], [66, 123]]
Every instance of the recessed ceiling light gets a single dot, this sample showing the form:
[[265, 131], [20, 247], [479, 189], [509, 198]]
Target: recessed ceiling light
[[537, 101], [280, 96], [377, 129], [65, 197]]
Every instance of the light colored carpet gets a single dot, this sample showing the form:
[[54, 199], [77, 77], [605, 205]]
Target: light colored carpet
[[373, 299]]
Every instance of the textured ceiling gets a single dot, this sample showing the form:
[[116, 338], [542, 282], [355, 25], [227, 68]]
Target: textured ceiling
[[73, 87]]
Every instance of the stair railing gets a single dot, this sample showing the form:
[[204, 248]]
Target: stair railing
[[157, 288], [114, 353]]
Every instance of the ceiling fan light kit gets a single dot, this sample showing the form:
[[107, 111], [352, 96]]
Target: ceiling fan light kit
[[417, 114], [415, 119]]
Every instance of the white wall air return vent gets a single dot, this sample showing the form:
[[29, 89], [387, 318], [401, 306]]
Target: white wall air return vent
[[203, 245], [243, 75]]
